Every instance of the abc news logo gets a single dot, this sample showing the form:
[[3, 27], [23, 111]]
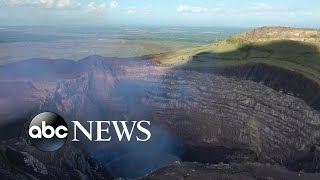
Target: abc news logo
[[48, 131]]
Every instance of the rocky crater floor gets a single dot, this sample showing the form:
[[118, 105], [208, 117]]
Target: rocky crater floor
[[229, 127]]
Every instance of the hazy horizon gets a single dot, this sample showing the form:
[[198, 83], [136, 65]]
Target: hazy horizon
[[154, 26], [192, 13]]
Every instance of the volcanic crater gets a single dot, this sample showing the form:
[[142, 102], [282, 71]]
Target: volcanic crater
[[224, 119]]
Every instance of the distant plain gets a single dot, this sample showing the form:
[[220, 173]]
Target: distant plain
[[76, 42]]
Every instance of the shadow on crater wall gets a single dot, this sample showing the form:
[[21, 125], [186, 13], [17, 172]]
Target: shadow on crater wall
[[281, 65]]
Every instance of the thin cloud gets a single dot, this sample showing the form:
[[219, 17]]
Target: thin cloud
[[61, 3], [191, 9], [138, 10], [95, 7], [58, 4], [261, 7], [114, 4]]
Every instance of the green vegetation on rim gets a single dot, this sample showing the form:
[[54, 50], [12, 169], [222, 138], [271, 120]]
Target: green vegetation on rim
[[292, 49]]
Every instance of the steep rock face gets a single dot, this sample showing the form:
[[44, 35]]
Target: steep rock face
[[248, 171], [285, 81], [107, 87], [279, 79], [76, 97], [19, 160], [205, 108]]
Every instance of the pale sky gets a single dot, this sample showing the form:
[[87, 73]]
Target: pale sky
[[234, 13]]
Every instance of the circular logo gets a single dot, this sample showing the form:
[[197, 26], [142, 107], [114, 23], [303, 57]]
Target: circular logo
[[48, 131]]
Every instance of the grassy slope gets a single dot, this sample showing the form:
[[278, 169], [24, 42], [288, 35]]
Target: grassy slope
[[294, 49]]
